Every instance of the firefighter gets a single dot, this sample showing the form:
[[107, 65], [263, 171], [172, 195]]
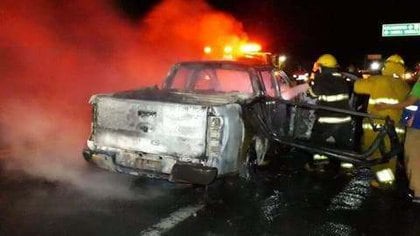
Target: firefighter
[[411, 118], [331, 89], [387, 88]]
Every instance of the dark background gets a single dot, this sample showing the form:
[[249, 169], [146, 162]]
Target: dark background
[[305, 29]]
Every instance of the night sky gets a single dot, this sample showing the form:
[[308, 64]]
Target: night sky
[[306, 29]]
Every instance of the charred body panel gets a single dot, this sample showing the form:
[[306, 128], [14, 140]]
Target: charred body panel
[[151, 127], [176, 133], [148, 138], [225, 135]]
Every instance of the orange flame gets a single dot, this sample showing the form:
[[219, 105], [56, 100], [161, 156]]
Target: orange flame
[[250, 47], [232, 50]]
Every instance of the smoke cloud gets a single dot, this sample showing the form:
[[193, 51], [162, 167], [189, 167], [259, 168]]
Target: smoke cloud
[[55, 54]]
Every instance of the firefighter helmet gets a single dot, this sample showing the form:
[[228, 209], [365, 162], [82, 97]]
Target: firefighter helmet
[[394, 66], [396, 59], [327, 60]]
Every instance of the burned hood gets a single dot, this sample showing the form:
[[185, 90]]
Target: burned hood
[[176, 96]]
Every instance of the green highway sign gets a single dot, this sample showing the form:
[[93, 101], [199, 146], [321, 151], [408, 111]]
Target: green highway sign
[[401, 30]]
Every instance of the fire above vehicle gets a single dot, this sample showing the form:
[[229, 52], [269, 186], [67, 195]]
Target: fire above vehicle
[[231, 51], [209, 120]]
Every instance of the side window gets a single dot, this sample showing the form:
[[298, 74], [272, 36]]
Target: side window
[[268, 83]]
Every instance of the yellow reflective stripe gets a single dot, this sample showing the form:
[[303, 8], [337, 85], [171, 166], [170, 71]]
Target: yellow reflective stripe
[[333, 98], [374, 101], [320, 157], [385, 176], [400, 130], [367, 126], [346, 165], [334, 120], [412, 108]]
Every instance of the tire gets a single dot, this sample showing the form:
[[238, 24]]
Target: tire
[[255, 156], [261, 146]]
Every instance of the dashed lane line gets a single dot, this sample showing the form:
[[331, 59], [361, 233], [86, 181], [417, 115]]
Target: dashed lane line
[[172, 220]]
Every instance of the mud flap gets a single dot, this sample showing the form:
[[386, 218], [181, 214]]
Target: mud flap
[[193, 174]]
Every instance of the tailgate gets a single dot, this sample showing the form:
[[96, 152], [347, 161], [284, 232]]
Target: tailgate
[[151, 127]]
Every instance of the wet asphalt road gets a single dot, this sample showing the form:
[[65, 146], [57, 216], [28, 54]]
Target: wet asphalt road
[[286, 201]]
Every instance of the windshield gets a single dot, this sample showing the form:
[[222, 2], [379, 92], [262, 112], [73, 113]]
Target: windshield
[[212, 79]]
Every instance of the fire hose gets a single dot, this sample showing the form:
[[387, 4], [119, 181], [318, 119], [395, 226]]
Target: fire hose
[[387, 129]]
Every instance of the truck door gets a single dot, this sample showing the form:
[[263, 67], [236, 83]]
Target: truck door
[[278, 115]]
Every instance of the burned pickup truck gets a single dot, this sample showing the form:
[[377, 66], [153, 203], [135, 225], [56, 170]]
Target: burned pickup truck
[[209, 119]]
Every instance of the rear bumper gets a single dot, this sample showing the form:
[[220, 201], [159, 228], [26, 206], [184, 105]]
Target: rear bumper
[[195, 174], [179, 172]]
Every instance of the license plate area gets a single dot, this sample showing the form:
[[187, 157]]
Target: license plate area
[[138, 161], [148, 164]]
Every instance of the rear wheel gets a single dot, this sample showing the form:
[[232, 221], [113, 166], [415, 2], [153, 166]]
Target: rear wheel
[[260, 147], [255, 156]]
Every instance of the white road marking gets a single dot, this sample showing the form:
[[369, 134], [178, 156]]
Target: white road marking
[[172, 220]]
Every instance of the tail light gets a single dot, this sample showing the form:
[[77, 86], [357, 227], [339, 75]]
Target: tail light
[[214, 136]]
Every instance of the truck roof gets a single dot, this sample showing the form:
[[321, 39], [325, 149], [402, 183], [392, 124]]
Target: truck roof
[[220, 63]]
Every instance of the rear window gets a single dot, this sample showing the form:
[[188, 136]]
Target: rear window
[[212, 79]]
